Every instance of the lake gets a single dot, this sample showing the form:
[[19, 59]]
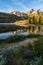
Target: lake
[[30, 30], [6, 35]]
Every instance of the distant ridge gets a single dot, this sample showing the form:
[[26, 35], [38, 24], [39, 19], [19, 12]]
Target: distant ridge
[[10, 17], [18, 13], [33, 16]]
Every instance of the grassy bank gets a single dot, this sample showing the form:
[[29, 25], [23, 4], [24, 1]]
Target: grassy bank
[[17, 38], [25, 54]]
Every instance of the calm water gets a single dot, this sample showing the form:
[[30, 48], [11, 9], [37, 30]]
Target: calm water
[[34, 30], [6, 35]]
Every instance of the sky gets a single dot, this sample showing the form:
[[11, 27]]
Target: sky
[[20, 5]]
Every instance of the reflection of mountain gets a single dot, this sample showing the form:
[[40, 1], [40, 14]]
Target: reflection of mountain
[[35, 16], [30, 30]]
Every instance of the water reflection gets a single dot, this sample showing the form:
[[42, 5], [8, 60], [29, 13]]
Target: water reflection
[[5, 35], [34, 29], [29, 30]]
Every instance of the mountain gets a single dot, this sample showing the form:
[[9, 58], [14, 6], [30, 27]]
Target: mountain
[[30, 11], [10, 17], [32, 16], [21, 14], [35, 16]]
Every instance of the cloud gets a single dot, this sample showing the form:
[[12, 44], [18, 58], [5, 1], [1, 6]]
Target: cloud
[[38, 1], [8, 8], [21, 5], [37, 4]]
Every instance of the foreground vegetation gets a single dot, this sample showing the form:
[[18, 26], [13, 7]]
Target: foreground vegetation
[[31, 54], [17, 38]]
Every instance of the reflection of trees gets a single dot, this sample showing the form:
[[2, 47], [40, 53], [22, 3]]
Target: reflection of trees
[[31, 29], [40, 28], [34, 29]]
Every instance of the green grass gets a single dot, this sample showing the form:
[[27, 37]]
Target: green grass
[[17, 38], [41, 63], [36, 47]]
